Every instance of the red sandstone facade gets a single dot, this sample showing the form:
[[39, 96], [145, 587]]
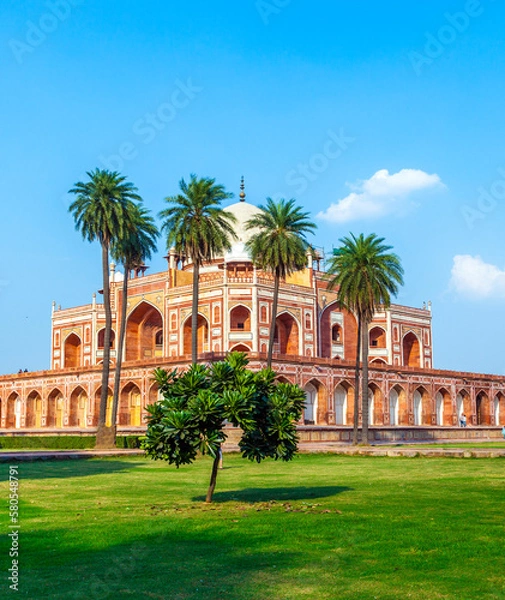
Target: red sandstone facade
[[315, 346]]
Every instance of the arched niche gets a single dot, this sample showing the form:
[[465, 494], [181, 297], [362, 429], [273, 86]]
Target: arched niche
[[286, 338], [443, 408], [33, 410], [377, 337], [411, 350], [55, 409], [100, 343], [202, 335], [78, 409], [143, 327], [130, 406], [240, 318], [72, 351]]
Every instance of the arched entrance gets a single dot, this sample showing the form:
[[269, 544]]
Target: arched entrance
[[311, 404], [482, 412], [422, 407], [286, 339], [340, 397], [411, 351], [202, 335], [375, 405], [443, 408], [108, 412], [463, 405], [144, 333], [13, 412], [130, 406], [33, 410], [72, 351], [78, 410], [55, 409]]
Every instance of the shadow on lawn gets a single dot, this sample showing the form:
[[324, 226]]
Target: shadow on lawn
[[60, 469], [266, 494]]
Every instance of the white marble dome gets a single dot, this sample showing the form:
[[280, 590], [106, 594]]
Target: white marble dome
[[243, 211]]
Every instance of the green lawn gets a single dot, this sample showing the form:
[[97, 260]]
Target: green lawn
[[323, 527]]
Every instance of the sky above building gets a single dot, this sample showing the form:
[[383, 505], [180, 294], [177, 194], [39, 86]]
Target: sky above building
[[377, 117]]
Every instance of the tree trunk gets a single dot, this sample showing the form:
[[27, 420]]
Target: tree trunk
[[273, 320], [364, 390], [103, 434], [355, 438], [194, 314], [213, 478], [119, 351]]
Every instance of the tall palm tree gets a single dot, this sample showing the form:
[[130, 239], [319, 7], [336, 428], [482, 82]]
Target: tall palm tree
[[197, 226], [101, 212], [279, 246], [132, 250], [366, 275]]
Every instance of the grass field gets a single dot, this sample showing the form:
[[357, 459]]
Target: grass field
[[322, 527]]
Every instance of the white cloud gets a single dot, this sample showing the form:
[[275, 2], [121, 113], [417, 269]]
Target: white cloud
[[472, 277], [381, 195]]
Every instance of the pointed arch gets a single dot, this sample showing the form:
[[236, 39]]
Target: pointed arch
[[286, 337], [377, 337], [55, 409], [499, 409], [422, 406], [482, 409], [13, 411], [282, 379], [411, 350], [398, 406], [443, 408], [337, 341], [240, 348], [79, 408], [100, 337], [72, 351], [463, 405], [33, 416], [130, 405], [202, 335], [375, 404], [96, 407], [240, 318], [143, 327]]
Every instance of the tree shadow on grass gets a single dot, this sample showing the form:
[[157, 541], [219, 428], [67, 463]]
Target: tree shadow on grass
[[268, 494], [60, 469]]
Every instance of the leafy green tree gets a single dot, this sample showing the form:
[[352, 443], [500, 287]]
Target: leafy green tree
[[279, 246], [101, 212], [198, 227], [366, 275], [191, 416], [132, 250]]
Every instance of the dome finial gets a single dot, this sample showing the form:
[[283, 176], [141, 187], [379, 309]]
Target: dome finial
[[242, 188]]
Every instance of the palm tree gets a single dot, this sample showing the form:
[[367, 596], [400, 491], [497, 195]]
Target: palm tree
[[101, 212], [197, 226], [279, 246], [366, 275], [131, 250]]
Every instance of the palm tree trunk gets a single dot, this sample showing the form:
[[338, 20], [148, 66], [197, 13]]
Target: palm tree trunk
[[364, 391], [213, 478], [119, 351], [273, 320], [103, 435], [194, 314], [355, 439]]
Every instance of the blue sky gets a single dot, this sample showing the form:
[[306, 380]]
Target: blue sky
[[377, 117]]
